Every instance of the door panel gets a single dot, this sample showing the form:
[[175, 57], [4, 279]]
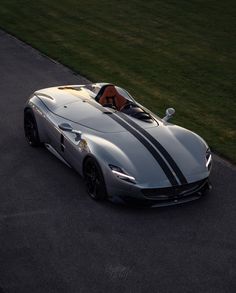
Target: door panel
[[70, 150]]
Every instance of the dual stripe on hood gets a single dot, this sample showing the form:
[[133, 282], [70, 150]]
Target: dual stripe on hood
[[159, 153]]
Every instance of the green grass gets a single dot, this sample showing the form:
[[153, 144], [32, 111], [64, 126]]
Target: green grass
[[165, 52]]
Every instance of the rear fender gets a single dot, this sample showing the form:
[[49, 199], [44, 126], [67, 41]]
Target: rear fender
[[40, 112]]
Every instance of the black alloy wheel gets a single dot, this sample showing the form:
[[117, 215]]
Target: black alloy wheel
[[31, 129], [94, 180]]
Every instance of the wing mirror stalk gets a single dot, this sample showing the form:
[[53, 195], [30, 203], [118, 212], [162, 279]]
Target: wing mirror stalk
[[67, 127], [169, 113]]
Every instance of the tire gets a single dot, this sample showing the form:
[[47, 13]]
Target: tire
[[94, 180], [31, 129]]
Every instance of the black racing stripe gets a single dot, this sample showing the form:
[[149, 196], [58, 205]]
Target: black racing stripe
[[151, 149], [157, 144], [144, 141]]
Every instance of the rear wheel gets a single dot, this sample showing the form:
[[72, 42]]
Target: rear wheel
[[94, 180], [31, 129]]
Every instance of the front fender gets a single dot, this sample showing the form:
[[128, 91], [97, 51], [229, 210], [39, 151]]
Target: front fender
[[108, 153]]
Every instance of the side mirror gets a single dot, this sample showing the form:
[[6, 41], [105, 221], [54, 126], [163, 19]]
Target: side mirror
[[169, 113], [67, 127]]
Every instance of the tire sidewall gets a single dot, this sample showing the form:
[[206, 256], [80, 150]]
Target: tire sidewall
[[35, 142], [103, 193]]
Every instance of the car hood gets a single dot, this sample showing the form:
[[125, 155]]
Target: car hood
[[187, 149], [124, 150]]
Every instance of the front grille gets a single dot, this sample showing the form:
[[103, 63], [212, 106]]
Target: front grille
[[174, 192]]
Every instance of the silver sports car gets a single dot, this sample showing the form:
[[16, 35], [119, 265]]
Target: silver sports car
[[124, 152]]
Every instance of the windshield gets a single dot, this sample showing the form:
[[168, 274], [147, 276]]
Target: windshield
[[125, 94], [95, 89]]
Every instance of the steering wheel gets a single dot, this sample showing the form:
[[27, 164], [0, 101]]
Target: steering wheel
[[127, 106]]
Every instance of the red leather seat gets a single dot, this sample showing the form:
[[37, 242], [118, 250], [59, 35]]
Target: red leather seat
[[111, 96]]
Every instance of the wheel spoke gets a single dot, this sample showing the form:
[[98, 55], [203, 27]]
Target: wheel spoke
[[30, 130], [94, 180], [30, 127]]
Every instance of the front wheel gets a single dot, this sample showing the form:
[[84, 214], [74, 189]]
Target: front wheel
[[94, 179]]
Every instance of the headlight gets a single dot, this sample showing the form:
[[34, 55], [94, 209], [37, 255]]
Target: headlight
[[208, 158], [121, 174]]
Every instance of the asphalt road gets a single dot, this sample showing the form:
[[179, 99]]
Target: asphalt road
[[54, 238]]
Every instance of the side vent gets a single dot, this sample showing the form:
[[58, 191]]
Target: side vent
[[62, 143]]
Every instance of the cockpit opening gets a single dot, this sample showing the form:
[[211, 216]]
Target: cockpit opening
[[110, 96]]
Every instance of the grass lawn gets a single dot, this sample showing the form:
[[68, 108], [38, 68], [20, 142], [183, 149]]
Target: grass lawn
[[179, 53]]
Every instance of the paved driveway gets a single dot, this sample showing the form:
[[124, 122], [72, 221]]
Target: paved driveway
[[54, 238]]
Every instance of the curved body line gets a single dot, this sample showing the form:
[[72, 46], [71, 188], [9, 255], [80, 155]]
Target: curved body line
[[84, 100], [160, 148], [124, 153], [141, 139]]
